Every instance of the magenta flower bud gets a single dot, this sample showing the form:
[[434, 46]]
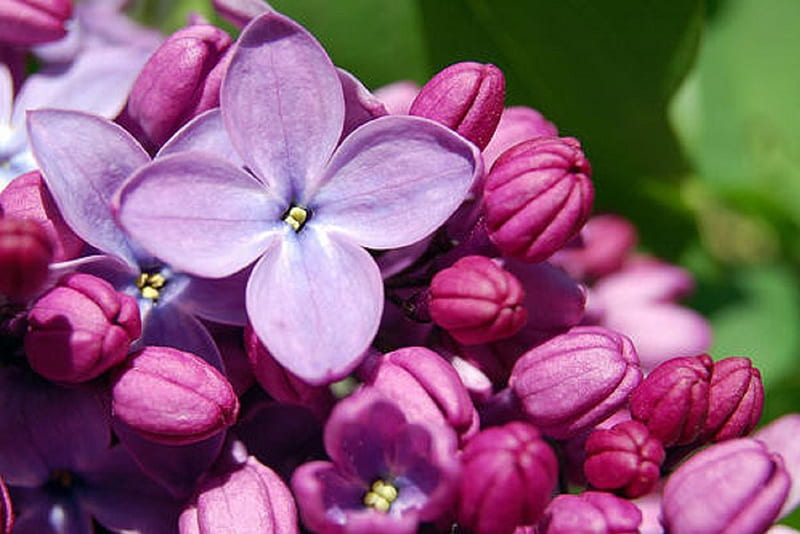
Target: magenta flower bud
[[27, 197], [517, 124], [477, 301], [249, 498], [425, 387], [672, 401], [80, 329], [575, 380], [735, 400], [179, 81], [591, 512], [537, 196], [625, 457], [466, 97], [172, 397], [25, 256], [733, 487], [30, 22], [281, 384], [509, 474], [6, 509]]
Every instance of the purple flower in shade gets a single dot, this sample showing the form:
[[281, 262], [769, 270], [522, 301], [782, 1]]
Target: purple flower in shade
[[306, 208], [387, 474], [62, 472], [26, 22], [735, 486]]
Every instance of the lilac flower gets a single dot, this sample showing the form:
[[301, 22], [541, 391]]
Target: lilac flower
[[306, 208], [386, 476]]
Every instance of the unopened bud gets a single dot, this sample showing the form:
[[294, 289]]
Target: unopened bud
[[606, 513], [30, 22], [735, 400], [25, 256]]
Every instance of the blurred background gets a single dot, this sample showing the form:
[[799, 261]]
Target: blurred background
[[689, 112]]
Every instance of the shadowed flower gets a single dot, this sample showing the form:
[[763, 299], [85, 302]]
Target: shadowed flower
[[301, 209]]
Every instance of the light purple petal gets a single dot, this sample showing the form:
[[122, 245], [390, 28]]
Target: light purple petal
[[217, 299], [282, 105], [205, 133], [84, 159], [360, 105], [315, 300], [395, 180], [200, 214]]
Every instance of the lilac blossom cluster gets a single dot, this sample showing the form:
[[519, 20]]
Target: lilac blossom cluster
[[242, 293]]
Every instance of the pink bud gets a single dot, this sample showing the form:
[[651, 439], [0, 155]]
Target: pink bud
[[537, 196], [624, 458], [179, 81], [509, 474], [30, 22], [733, 487], [27, 197], [604, 243], [80, 329], [6, 510], [590, 512], [172, 397], [575, 380], [672, 401], [25, 256], [477, 301], [735, 400], [466, 97]]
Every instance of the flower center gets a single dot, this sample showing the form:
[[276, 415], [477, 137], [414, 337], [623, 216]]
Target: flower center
[[296, 217], [381, 496], [150, 285], [62, 479]]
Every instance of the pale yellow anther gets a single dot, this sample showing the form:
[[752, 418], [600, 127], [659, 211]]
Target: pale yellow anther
[[381, 496], [150, 293], [296, 217], [150, 285]]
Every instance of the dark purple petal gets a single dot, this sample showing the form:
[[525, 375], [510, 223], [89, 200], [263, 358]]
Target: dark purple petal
[[43, 513], [395, 180], [84, 159], [217, 299], [360, 105], [316, 322], [170, 326], [199, 213], [282, 105]]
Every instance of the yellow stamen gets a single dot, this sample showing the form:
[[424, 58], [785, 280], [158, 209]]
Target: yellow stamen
[[150, 285], [381, 496], [296, 217]]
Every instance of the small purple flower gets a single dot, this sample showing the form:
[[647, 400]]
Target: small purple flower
[[303, 208], [387, 474]]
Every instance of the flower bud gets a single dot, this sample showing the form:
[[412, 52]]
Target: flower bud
[[575, 380], [672, 401], [25, 256], [249, 498], [80, 329], [6, 510], [477, 301], [604, 243], [30, 22], [27, 197], [537, 196], [591, 512], [179, 81], [735, 486], [735, 400], [172, 397], [425, 387], [508, 477], [466, 97], [624, 458], [517, 124]]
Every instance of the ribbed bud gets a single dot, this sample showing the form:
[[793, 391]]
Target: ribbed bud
[[172, 397], [733, 487], [590, 512], [179, 81], [80, 329], [575, 380], [25, 256], [31, 22], [466, 97], [672, 401], [477, 301], [625, 458], [537, 196], [507, 480], [735, 400]]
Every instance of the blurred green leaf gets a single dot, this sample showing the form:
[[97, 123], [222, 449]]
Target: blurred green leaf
[[604, 72]]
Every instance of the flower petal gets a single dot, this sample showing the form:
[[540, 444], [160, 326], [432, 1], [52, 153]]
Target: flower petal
[[217, 299], [198, 213], [282, 104], [360, 105], [205, 133], [169, 326], [315, 300], [395, 180], [6, 95], [84, 159]]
